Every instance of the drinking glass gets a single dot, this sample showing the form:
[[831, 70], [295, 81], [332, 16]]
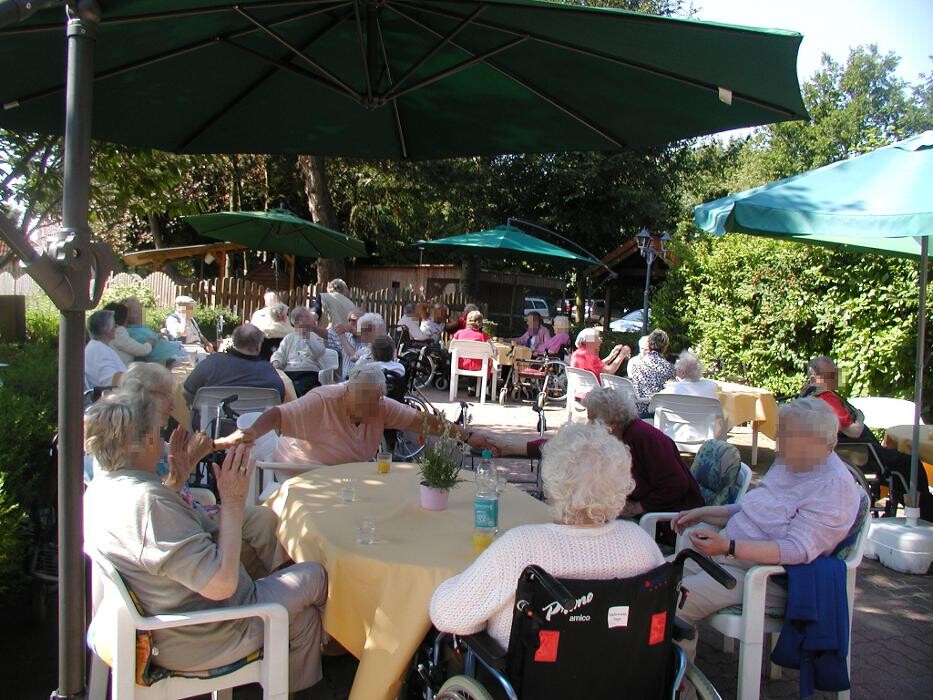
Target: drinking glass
[[384, 462], [347, 490], [366, 531]]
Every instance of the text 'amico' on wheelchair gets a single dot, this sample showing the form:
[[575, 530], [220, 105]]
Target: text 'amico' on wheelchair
[[573, 639]]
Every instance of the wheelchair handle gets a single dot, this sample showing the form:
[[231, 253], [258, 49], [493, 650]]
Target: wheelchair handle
[[721, 576], [554, 587], [225, 406]]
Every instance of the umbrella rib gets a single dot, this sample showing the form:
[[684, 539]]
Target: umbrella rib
[[434, 49], [256, 83], [298, 54], [359, 33], [166, 55], [691, 82], [530, 88], [395, 110]]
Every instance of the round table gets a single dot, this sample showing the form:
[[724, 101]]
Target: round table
[[900, 437], [749, 404], [378, 596]]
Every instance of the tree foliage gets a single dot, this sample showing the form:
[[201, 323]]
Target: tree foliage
[[766, 306]]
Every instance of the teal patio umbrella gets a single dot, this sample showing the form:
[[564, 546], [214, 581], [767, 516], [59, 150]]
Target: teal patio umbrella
[[510, 242], [278, 231], [881, 201]]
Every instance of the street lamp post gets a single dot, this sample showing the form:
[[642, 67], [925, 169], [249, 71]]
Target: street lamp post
[[651, 246], [421, 252]]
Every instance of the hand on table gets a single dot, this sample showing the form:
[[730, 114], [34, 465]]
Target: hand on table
[[234, 474], [179, 459]]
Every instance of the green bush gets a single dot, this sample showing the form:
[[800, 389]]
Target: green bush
[[207, 319], [767, 306], [141, 292], [12, 545], [41, 320]]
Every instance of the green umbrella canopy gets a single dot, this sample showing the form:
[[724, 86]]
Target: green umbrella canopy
[[510, 242], [400, 78], [880, 201], [278, 231]]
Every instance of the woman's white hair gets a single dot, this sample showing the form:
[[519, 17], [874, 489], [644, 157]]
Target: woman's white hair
[[587, 474], [367, 373], [561, 322], [100, 322], [144, 377], [689, 366], [115, 426], [299, 312], [375, 322], [610, 406], [339, 286], [809, 415], [587, 335]]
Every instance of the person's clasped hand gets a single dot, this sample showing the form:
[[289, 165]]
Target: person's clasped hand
[[712, 544], [685, 519], [234, 474], [244, 436]]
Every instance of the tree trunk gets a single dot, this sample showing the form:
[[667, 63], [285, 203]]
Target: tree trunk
[[235, 185], [469, 276], [158, 240], [322, 210]]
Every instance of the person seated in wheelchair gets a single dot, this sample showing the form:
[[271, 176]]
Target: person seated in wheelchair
[[301, 352], [587, 477], [368, 326], [434, 325], [412, 324], [558, 344], [804, 507], [176, 560], [823, 382]]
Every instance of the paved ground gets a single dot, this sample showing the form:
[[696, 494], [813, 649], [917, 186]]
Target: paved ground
[[893, 616]]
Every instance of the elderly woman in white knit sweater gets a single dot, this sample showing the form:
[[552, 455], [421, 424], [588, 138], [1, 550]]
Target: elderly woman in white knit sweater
[[587, 477]]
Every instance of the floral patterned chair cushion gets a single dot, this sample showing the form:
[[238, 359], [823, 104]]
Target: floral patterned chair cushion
[[716, 469]]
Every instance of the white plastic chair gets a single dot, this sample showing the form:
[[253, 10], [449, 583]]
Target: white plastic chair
[[579, 383], [882, 412], [688, 420], [249, 398], [751, 621], [330, 367], [116, 620], [472, 350], [614, 381]]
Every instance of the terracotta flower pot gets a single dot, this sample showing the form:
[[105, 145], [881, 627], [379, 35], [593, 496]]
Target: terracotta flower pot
[[433, 499]]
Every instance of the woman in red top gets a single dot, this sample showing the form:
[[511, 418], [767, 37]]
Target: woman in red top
[[473, 331], [586, 356]]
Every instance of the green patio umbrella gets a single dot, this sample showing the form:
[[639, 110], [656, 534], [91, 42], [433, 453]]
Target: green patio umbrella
[[278, 231], [509, 242], [367, 78], [881, 201], [400, 78]]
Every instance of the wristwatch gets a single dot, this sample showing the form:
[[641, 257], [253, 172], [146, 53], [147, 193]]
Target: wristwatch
[[731, 553]]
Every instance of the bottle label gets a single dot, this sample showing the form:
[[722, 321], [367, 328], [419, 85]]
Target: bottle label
[[486, 512]]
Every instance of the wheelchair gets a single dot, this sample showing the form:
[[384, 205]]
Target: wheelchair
[[539, 379], [578, 639], [432, 363]]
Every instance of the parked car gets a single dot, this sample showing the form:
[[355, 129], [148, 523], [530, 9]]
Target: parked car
[[595, 309], [632, 322], [537, 304]]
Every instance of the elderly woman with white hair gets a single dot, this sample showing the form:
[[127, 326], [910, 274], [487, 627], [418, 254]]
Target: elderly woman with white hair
[[690, 381], [650, 371], [102, 365], [301, 353], [803, 507], [586, 356], [587, 477], [176, 560], [341, 423]]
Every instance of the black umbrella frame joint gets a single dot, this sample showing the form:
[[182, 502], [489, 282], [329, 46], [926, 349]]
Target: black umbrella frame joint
[[72, 271]]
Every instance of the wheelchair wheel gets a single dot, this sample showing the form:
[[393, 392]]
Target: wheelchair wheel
[[422, 368], [442, 383], [463, 688], [556, 382], [409, 445]]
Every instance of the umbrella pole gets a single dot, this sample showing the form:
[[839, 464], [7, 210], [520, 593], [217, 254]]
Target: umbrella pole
[[918, 374]]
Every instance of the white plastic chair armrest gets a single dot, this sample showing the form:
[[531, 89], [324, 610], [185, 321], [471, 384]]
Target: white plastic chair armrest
[[753, 600], [271, 613], [649, 522]]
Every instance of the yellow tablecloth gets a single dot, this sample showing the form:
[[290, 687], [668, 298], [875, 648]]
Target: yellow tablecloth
[[744, 404], [900, 437], [378, 596]]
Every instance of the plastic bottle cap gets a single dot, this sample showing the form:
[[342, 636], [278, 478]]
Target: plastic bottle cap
[[487, 454]]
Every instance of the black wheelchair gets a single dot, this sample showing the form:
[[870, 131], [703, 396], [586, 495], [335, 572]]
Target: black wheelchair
[[578, 639]]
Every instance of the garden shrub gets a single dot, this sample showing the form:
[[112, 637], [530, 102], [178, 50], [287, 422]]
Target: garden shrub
[[42, 319], [766, 306], [207, 318], [118, 293]]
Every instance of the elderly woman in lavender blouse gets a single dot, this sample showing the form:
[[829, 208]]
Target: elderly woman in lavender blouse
[[803, 507]]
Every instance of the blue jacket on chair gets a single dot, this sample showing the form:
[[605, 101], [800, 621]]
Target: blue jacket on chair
[[815, 636]]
